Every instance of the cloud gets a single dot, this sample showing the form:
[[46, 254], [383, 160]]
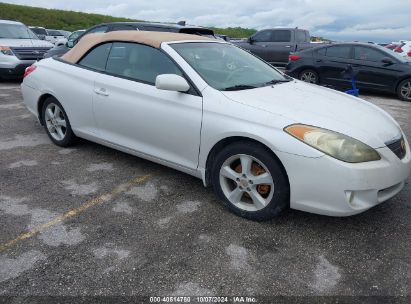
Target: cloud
[[377, 20]]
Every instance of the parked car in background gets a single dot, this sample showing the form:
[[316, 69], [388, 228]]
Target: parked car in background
[[19, 48], [54, 35], [404, 49], [62, 41], [379, 69], [274, 45], [65, 33], [267, 141], [180, 27], [61, 49], [39, 31], [392, 46]]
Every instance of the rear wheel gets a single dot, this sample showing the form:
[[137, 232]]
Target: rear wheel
[[404, 90], [309, 76], [250, 181], [56, 123]]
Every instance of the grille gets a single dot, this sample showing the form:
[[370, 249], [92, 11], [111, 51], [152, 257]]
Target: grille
[[398, 147], [29, 53]]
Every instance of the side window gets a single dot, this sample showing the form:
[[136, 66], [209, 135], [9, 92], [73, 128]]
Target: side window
[[263, 36], [54, 33], [122, 27], [139, 62], [339, 51], [157, 29], [100, 29], [97, 58], [301, 37], [281, 36], [368, 54]]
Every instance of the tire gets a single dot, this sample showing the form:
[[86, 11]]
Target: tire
[[309, 76], [262, 198], [56, 123], [404, 90]]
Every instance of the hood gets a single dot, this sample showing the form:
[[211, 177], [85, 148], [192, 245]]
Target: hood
[[25, 43], [322, 107]]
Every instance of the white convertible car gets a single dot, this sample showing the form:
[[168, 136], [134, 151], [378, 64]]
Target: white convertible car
[[264, 141]]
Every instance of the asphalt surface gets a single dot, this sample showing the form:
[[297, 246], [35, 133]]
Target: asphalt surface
[[160, 232]]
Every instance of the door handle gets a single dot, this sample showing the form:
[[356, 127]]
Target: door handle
[[101, 91], [319, 60], [287, 46], [263, 45]]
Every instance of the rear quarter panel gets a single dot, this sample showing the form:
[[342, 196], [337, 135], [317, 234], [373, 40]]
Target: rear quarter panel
[[72, 86]]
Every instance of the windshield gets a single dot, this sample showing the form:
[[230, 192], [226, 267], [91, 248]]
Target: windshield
[[16, 31], [227, 67]]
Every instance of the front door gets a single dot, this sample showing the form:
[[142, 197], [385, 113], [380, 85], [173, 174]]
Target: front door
[[131, 112], [259, 44], [373, 74], [332, 64]]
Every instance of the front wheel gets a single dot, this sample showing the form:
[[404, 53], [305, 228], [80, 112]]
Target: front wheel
[[56, 123], [404, 90], [250, 181], [309, 76]]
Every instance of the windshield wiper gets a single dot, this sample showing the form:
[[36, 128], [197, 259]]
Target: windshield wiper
[[239, 87], [276, 81]]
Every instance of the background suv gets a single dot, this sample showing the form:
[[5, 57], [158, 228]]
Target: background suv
[[19, 48], [179, 27]]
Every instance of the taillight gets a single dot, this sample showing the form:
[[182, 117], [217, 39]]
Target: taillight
[[398, 49], [293, 57], [409, 54], [28, 70]]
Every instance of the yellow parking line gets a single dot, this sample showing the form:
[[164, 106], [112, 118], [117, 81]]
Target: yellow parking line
[[73, 212]]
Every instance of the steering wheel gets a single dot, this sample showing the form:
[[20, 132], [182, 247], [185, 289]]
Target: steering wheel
[[236, 71]]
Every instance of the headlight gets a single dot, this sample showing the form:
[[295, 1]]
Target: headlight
[[335, 144], [5, 50]]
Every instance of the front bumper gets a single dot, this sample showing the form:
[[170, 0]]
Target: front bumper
[[328, 186], [11, 67]]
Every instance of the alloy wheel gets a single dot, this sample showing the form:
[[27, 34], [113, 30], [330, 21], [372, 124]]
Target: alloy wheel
[[246, 182], [309, 77], [55, 121], [406, 90]]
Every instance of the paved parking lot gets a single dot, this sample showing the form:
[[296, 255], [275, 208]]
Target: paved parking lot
[[90, 220]]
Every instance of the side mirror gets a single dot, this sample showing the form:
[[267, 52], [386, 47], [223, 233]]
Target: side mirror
[[250, 40], [387, 61], [172, 82], [70, 44]]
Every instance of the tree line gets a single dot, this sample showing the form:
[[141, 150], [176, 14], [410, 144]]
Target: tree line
[[71, 21]]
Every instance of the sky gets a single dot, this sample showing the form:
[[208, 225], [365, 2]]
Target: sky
[[345, 20]]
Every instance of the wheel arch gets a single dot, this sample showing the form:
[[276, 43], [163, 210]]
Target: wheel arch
[[228, 141], [40, 103], [399, 82]]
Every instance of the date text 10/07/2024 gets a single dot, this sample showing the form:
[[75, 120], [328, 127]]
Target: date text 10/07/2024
[[198, 299]]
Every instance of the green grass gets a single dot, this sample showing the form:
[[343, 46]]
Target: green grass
[[71, 21]]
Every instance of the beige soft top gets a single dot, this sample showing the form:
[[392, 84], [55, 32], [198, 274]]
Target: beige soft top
[[153, 39]]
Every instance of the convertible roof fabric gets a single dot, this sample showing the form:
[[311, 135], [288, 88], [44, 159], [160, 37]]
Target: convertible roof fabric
[[153, 39]]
